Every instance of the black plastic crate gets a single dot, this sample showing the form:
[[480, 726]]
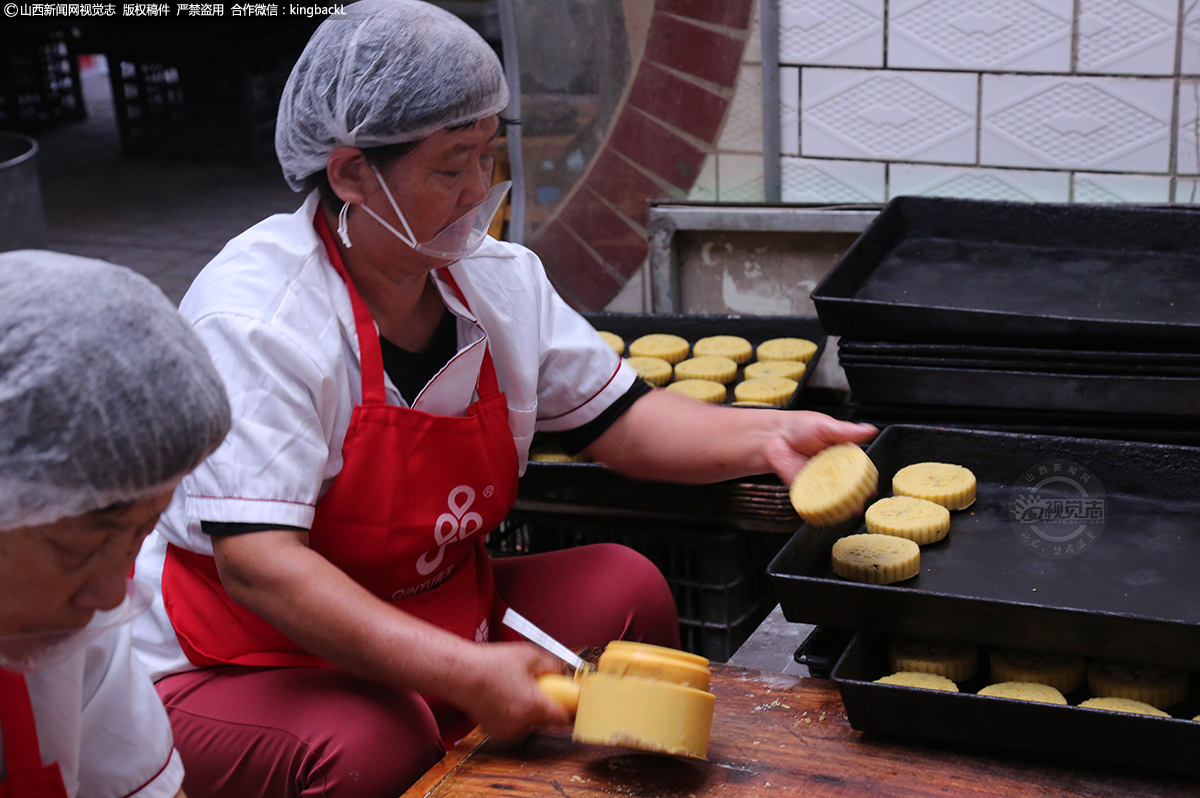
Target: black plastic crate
[[717, 576], [218, 108], [39, 81], [718, 643]]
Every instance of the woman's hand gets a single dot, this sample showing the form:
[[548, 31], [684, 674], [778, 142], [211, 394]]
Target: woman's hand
[[668, 437], [805, 433], [503, 695]]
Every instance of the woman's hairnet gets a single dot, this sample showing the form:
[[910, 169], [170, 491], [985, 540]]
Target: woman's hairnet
[[106, 393], [385, 72]]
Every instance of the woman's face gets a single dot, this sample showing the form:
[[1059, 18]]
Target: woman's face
[[440, 179], [54, 577]]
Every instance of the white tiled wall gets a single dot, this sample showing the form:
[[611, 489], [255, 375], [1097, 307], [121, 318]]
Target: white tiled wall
[[1035, 100]]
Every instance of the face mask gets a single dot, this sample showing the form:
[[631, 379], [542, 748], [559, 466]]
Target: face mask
[[37, 651], [457, 241]]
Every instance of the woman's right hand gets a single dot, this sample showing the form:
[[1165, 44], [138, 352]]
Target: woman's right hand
[[502, 694]]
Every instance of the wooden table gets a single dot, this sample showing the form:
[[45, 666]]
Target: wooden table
[[777, 735]]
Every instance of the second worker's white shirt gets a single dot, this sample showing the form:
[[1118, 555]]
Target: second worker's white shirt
[[277, 321]]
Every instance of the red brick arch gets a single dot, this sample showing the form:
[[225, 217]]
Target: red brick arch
[[654, 149]]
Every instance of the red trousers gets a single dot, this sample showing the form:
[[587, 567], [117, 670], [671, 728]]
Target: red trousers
[[284, 732]]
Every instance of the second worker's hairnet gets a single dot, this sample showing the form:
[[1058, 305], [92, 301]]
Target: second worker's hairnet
[[384, 72], [107, 396]]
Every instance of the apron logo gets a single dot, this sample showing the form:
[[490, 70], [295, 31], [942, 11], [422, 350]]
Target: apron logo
[[457, 524]]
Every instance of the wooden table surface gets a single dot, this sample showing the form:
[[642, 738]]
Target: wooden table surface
[[777, 735]]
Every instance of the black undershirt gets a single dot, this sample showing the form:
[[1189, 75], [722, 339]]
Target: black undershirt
[[412, 371]]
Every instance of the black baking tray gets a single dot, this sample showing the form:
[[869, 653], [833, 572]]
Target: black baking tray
[[1133, 593], [1054, 731], [693, 327], [1023, 358], [907, 382], [1179, 431], [758, 503], [944, 270]]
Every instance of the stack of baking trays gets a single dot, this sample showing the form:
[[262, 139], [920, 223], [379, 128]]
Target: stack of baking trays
[[712, 542], [1073, 546], [1062, 319]]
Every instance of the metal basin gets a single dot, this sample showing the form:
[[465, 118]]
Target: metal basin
[[22, 217]]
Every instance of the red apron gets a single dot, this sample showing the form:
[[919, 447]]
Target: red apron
[[26, 776], [405, 518]]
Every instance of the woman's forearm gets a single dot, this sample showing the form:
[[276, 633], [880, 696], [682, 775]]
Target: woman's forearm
[[295, 589], [671, 438]]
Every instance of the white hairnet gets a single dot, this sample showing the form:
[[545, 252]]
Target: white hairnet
[[106, 393], [385, 72]]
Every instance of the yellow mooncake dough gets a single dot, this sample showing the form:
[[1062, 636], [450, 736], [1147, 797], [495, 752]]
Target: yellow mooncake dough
[[788, 369], [615, 341], [1063, 672], [705, 390], [670, 348], [709, 367], [926, 681], [876, 559], [774, 391], [833, 485], [1158, 687], [951, 486], [653, 370], [787, 349], [1025, 691], [956, 661], [734, 347], [1124, 705], [920, 521]]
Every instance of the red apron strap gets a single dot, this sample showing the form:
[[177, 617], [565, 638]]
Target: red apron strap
[[26, 776], [364, 325], [21, 751]]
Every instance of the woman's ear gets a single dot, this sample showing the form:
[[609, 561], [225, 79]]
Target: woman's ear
[[349, 175]]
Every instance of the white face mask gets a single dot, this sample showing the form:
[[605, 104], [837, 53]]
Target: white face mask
[[37, 651], [456, 241]]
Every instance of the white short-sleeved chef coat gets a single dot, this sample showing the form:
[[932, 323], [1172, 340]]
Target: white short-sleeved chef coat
[[99, 717], [276, 318]]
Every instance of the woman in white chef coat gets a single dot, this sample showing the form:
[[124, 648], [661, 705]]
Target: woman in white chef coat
[[388, 365], [106, 399]]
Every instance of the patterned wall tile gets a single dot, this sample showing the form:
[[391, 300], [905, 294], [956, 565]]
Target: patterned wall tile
[[1187, 192], [753, 52], [831, 32], [743, 122], [1121, 188], [705, 187], [1013, 35], [1188, 134], [789, 110], [923, 116], [1014, 185], [739, 178], [1127, 37], [1117, 124], [813, 180], [1190, 62]]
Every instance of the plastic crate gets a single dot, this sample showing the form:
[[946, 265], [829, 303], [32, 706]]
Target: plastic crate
[[716, 575], [212, 108], [720, 642], [39, 82]]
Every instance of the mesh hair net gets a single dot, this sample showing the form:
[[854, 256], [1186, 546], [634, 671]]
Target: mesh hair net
[[385, 72], [106, 394]]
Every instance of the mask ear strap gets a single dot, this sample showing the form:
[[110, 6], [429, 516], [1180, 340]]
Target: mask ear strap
[[342, 231]]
